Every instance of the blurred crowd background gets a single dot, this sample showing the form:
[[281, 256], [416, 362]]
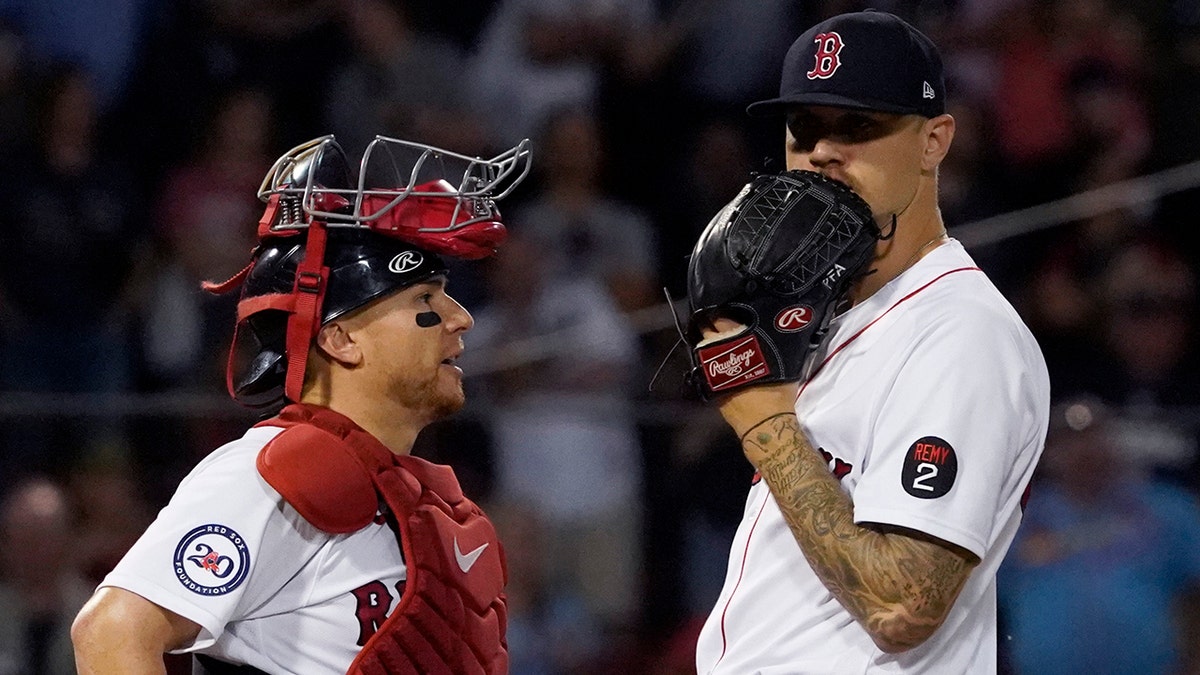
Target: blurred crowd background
[[134, 133]]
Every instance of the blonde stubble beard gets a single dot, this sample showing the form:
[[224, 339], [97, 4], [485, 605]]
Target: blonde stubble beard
[[428, 396]]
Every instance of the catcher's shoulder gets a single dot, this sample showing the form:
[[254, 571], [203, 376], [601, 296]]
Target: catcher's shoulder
[[233, 462]]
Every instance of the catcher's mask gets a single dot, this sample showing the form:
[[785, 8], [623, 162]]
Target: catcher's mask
[[331, 241]]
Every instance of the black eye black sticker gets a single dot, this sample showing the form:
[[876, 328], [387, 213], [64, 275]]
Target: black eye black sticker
[[428, 319], [930, 467]]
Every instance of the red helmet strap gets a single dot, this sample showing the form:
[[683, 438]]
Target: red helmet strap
[[230, 283], [312, 277], [268, 217], [229, 362]]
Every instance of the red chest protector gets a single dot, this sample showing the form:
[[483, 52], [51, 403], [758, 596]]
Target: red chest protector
[[452, 616]]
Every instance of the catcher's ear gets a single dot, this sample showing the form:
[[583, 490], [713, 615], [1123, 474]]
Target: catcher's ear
[[336, 342], [939, 133]]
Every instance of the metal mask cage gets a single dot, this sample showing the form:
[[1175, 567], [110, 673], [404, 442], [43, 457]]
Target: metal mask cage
[[294, 177]]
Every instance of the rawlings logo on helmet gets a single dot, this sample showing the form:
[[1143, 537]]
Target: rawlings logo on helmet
[[406, 262]]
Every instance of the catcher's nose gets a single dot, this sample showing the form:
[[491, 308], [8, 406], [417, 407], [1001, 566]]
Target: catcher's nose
[[458, 318]]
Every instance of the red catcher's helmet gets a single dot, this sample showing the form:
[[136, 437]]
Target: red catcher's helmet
[[328, 235]]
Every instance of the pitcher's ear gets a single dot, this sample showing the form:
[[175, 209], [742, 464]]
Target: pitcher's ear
[[939, 134]]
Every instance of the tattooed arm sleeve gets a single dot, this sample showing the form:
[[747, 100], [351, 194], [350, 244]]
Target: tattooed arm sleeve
[[899, 584]]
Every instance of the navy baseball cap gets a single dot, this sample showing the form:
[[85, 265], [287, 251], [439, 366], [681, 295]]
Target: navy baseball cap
[[863, 60]]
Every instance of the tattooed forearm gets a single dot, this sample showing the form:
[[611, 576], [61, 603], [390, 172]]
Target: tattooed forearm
[[898, 586]]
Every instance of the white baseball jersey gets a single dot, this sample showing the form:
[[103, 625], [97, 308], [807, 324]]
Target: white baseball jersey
[[930, 401], [267, 588]]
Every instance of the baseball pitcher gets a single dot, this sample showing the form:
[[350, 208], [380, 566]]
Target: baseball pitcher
[[892, 401]]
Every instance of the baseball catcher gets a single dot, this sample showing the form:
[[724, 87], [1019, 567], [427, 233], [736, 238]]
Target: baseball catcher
[[316, 543]]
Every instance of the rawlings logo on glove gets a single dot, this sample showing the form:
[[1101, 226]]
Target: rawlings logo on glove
[[777, 259], [792, 319], [728, 365]]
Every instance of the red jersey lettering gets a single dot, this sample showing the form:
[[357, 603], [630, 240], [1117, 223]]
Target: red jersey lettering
[[373, 603]]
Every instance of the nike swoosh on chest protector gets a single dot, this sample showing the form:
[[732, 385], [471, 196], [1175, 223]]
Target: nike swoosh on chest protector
[[467, 561]]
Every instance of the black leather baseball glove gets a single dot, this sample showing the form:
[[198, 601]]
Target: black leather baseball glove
[[777, 259]]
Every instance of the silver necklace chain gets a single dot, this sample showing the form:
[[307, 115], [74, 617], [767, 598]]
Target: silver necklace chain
[[941, 236]]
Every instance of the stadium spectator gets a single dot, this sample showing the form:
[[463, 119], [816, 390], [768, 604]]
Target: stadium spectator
[[41, 587], [399, 82], [1102, 558], [563, 424]]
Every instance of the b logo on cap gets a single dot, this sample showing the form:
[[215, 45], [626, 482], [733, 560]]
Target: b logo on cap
[[829, 45]]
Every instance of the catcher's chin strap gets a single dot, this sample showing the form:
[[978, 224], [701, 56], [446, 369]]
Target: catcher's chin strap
[[308, 292], [303, 304]]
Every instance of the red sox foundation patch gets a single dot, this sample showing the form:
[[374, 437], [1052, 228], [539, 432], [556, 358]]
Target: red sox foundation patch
[[930, 467], [212, 560]]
